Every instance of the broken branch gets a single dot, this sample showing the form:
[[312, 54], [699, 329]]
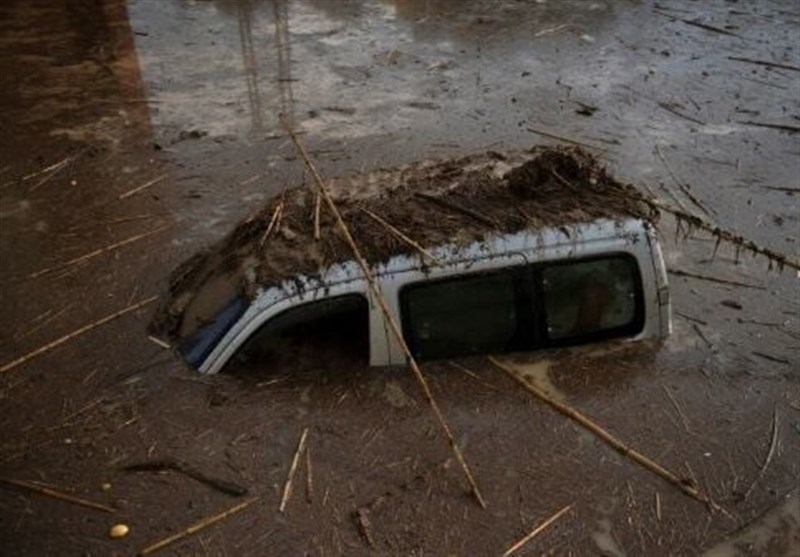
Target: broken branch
[[205, 523], [275, 216], [287, 488], [447, 204], [765, 63], [698, 24], [684, 187], [624, 449], [144, 186], [401, 236], [564, 139], [671, 110], [536, 531], [770, 453], [86, 328], [390, 318], [713, 279], [58, 495], [95, 253], [229, 488], [317, 206], [721, 234], [309, 478], [781, 127]]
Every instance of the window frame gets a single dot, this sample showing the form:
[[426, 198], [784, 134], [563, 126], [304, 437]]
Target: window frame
[[633, 327], [521, 272], [528, 281], [362, 299]]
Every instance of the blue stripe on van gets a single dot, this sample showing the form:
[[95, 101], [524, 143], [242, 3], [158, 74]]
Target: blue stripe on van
[[196, 348]]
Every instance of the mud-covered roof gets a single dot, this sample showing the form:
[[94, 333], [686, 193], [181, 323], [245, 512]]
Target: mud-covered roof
[[452, 201]]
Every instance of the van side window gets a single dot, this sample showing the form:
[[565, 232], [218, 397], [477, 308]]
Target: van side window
[[336, 324], [462, 316], [592, 298]]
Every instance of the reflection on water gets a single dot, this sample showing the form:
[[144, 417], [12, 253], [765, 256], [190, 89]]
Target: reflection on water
[[775, 533], [232, 67]]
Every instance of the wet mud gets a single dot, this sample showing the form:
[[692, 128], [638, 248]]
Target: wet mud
[[138, 133]]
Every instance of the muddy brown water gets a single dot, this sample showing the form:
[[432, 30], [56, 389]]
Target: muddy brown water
[[188, 94]]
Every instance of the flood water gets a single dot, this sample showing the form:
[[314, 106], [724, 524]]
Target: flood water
[[135, 133]]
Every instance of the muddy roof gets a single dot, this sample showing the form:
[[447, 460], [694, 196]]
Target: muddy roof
[[453, 201]]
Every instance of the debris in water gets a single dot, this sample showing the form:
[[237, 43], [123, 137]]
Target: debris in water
[[536, 531], [86, 328], [685, 486], [198, 526], [55, 494], [188, 470], [287, 488], [733, 304], [118, 531]]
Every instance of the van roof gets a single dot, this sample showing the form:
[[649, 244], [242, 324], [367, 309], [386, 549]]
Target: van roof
[[452, 201]]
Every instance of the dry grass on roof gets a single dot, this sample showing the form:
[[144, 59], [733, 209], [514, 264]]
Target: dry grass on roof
[[454, 201]]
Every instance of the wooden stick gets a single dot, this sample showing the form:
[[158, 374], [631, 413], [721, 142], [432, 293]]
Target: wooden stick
[[159, 342], [565, 139], [536, 531], [23, 333], [95, 253], [384, 306], [275, 216], [719, 233], [697, 24], [615, 442], [205, 523], [674, 112], [765, 63], [674, 402], [781, 188], [317, 206], [782, 127], [403, 237], [447, 204], [309, 477], [287, 488], [770, 454], [144, 186], [57, 168], [684, 187], [86, 328], [54, 166], [41, 490], [709, 278], [250, 179], [690, 318]]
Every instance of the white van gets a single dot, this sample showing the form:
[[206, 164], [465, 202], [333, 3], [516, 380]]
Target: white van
[[506, 291], [513, 293]]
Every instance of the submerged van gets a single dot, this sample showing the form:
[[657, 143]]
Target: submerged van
[[487, 254]]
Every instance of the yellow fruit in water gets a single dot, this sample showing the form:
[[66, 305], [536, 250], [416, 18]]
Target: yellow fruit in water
[[118, 531]]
